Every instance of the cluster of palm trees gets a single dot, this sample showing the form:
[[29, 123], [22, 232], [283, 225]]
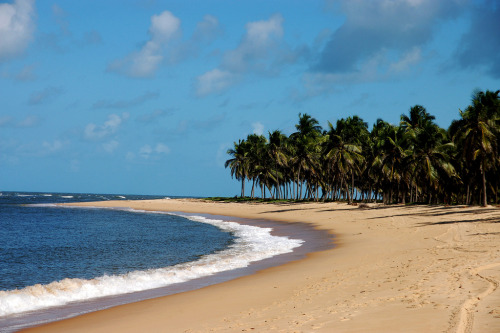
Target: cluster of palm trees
[[415, 161]]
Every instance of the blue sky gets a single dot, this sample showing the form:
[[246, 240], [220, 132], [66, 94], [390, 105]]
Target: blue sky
[[145, 97]]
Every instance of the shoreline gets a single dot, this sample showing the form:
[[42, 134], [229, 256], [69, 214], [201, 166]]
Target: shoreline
[[242, 261], [394, 268]]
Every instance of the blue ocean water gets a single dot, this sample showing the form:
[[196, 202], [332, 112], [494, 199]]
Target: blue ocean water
[[53, 258], [42, 244]]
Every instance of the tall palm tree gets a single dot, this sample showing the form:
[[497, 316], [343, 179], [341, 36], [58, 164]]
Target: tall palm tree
[[392, 158], [343, 158], [276, 150], [256, 156], [306, 148], [239, 163], [476, 133], [431, 150]]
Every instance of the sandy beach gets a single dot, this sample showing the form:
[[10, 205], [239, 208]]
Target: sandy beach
[[393, 269]]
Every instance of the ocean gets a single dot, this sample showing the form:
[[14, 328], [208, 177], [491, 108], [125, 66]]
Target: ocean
[[57, 262]]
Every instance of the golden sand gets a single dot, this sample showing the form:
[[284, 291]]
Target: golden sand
[[394, 269]]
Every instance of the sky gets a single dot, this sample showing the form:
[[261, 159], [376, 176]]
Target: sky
[[146, 97]]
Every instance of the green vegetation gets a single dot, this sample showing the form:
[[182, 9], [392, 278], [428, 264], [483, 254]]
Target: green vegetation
[[416, 161]]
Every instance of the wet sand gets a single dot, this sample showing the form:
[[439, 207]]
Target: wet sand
[[393, 269]]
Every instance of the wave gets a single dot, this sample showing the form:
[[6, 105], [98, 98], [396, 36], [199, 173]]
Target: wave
[[67, 196], [251, 244]]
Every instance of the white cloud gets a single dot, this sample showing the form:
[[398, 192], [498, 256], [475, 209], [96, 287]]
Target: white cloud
[[51, 147], [260, 39], [215, 81], [16, 27], [380, 66], [144, 63], [261, 52], [27, 73], [110, 126], [148, 152], [162, 149], [393, 28], [29, 121], [207, 29], [258, 128], [130, 156], [45, 95], [110, 146], [145, 151], [164, 26], [406, 61]]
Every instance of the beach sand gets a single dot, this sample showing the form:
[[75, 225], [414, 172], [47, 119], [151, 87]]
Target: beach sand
[[393, 269]]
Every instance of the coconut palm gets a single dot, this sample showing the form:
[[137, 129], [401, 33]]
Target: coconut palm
[[304, 141], [430, 160], [256, 155], [476, 133], [416, 158], [342, 157], [239, 163], [276, 151]]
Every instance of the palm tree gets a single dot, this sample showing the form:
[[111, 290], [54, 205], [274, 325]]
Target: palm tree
[[417, 157], [256, 155], [276, 151], [343, 158], [393, 150], [430, 159], [306, 149], [476, 133], [239, 163]]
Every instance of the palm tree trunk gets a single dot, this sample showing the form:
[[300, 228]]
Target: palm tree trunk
[[496, 190], [485, 199], [352, 186], [468, 195], [348, 192], [243, 187]]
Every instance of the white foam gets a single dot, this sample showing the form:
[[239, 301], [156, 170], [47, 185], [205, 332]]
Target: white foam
[[67, 196], [251, 244]]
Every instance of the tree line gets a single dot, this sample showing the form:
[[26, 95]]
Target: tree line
[[415, 161]]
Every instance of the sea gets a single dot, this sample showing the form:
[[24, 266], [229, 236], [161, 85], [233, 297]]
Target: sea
[[61, 261]]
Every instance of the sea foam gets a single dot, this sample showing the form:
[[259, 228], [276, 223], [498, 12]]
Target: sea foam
[[251, 244]]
